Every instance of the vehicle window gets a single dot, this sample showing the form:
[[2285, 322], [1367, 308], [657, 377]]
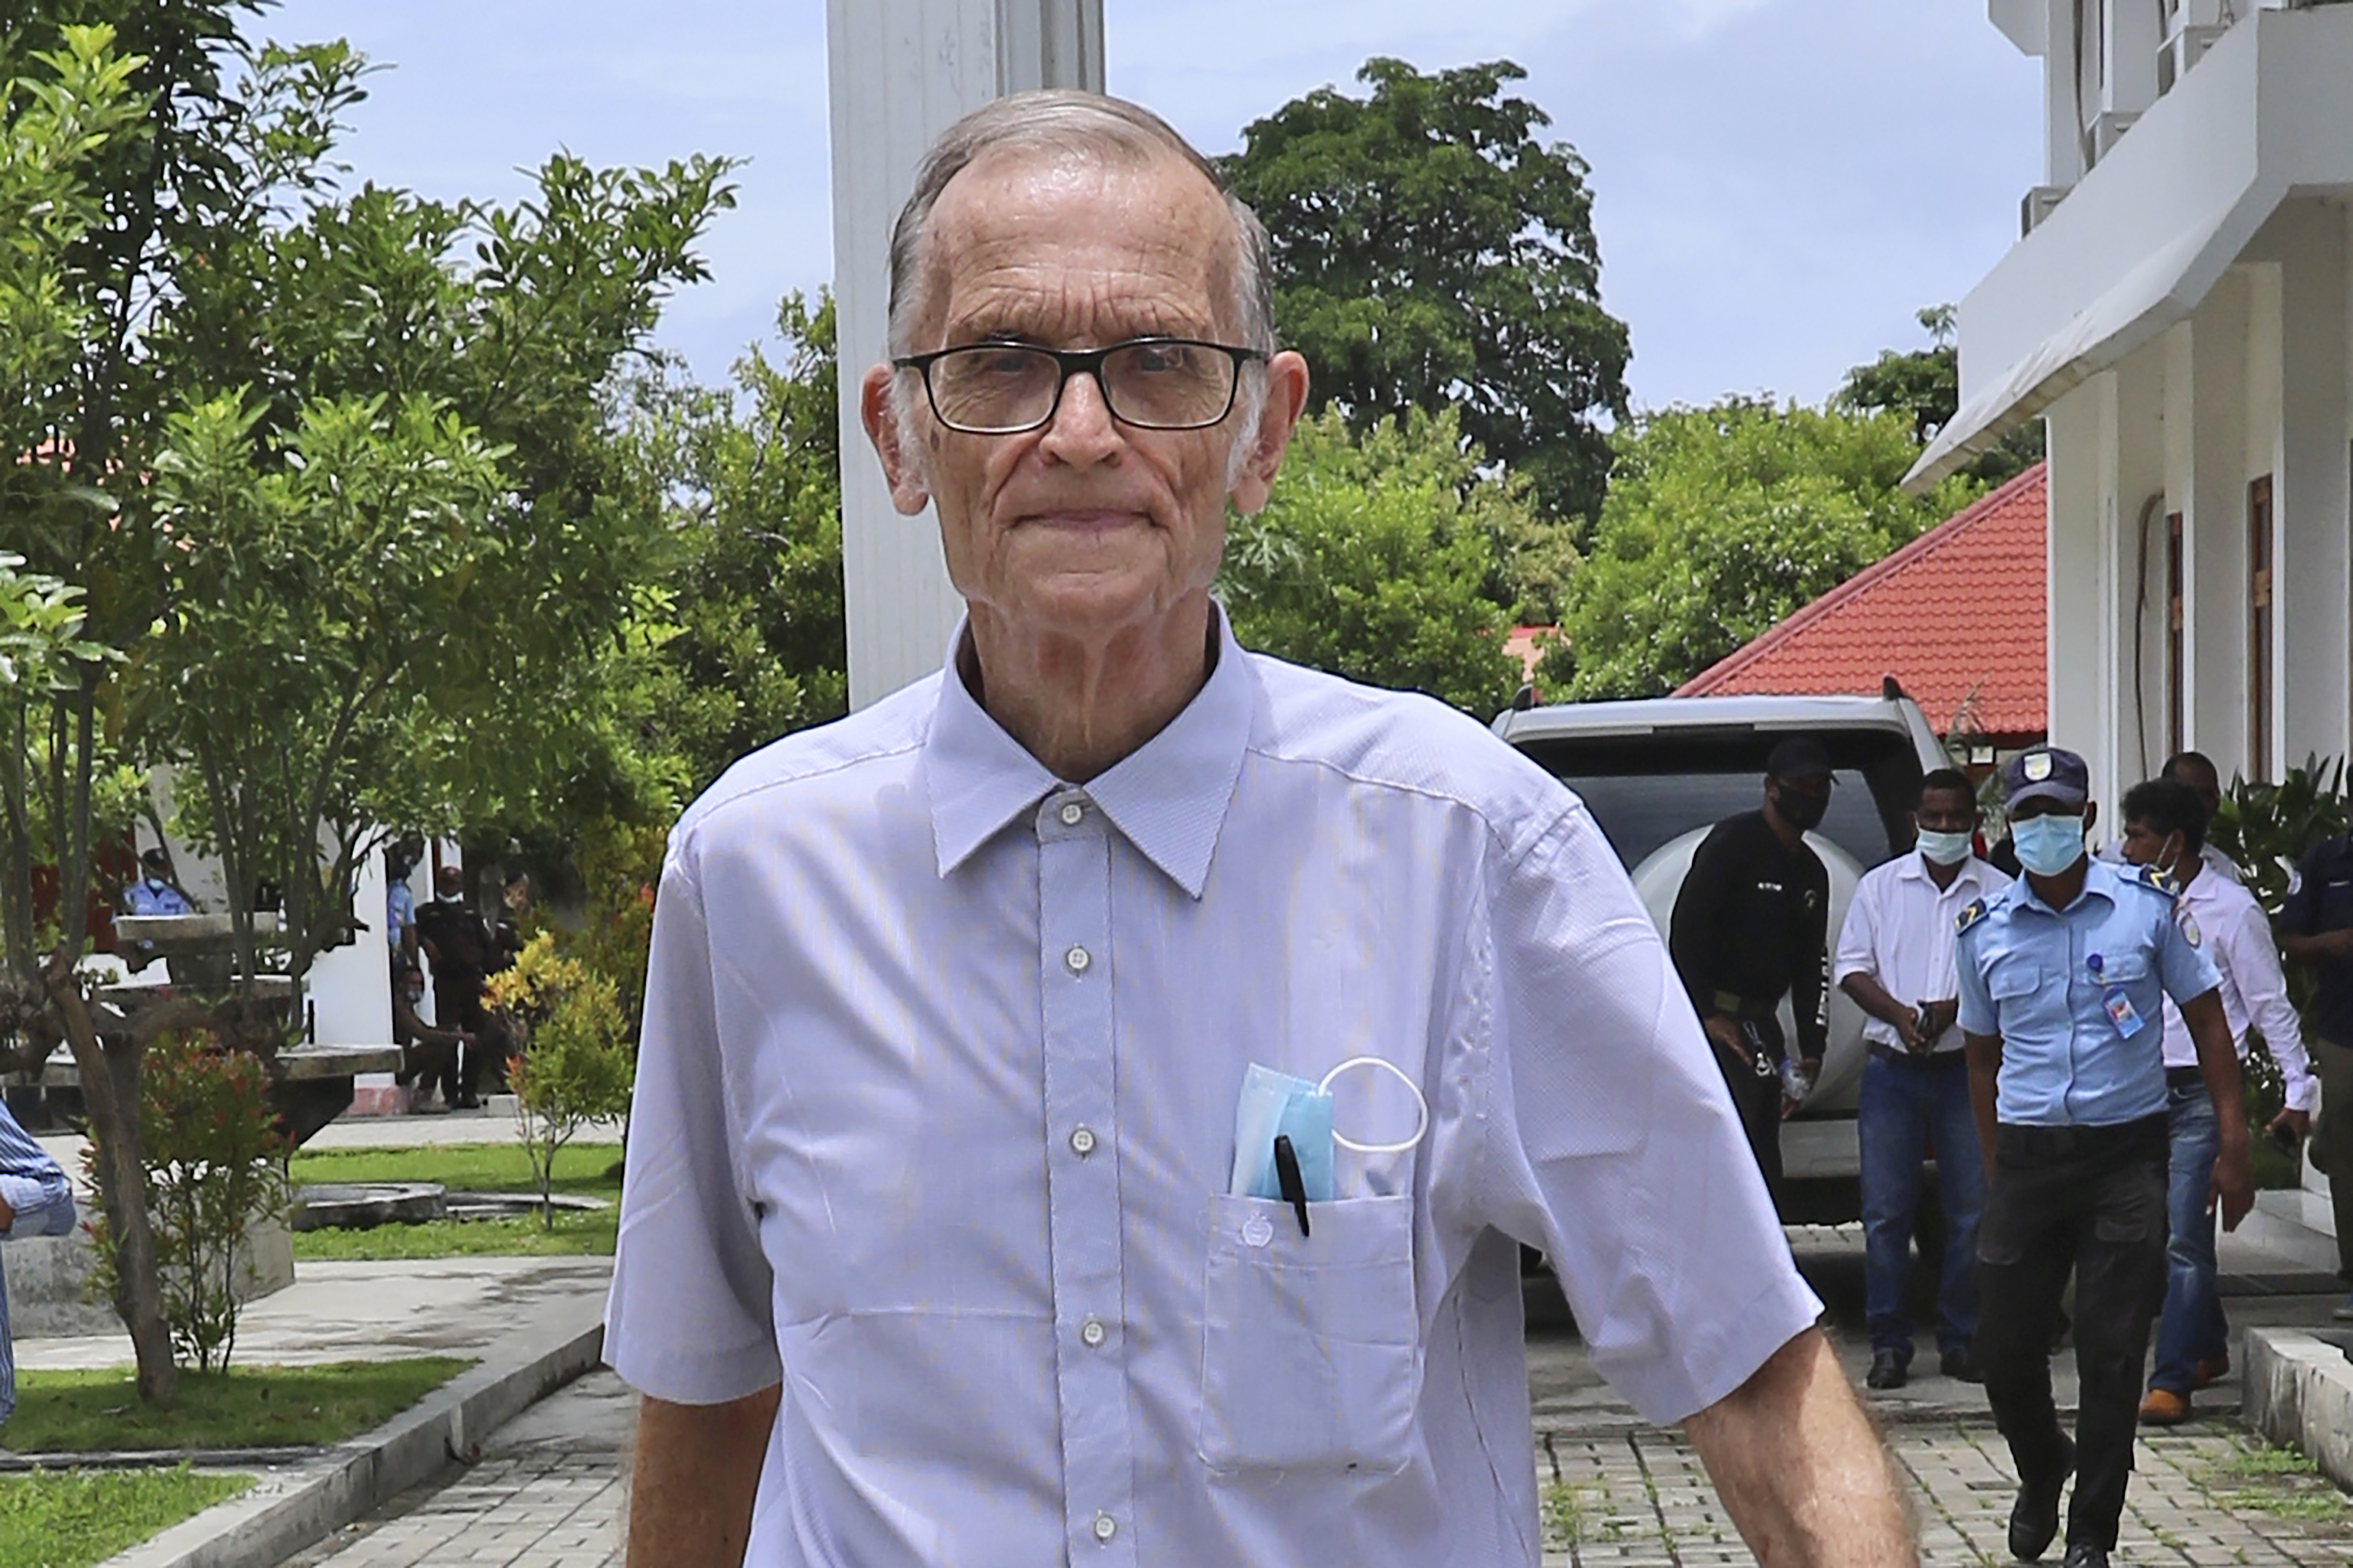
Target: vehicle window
[[1639, 812]]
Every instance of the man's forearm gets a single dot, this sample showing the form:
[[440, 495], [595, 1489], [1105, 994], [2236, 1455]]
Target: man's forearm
[[695, 1472], [1867, 994], [1802, 1474]]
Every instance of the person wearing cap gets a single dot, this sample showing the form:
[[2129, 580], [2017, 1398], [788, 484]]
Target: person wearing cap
[[2165, 826], [154, 894], [1895, 960], [1749, 928], [2063, 977]]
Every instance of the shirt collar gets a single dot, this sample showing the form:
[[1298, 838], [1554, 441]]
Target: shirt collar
[[1915, 869], [1168, 797]]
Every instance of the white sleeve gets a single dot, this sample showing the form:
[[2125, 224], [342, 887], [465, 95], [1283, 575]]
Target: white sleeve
[[1608, 1138], [1858, 937], [2248, 948], [688, 1317]]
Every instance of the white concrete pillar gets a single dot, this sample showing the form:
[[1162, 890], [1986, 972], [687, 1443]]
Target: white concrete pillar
[[902, 71], [2214, 522], [2077, 657], [2315, 650], [2063, 130], [2134, 512], [351, 987]]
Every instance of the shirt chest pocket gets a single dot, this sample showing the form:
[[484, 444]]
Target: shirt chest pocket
[[2023, 992], [1310, 1346]]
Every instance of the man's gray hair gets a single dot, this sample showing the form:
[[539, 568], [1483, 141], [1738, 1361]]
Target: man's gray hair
[[1088, 125]]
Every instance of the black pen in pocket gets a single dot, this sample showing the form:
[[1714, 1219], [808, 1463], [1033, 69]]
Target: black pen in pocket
[[1287, 1177]]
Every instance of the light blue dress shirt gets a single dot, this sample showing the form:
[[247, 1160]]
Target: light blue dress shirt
[[2042, 979], [934, 1123], [36, 1187]]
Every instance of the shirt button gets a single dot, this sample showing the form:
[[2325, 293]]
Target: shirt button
[[1073, 814], [1106, 1527], [1092, 1331], [1083, 1141], [1078, 958]]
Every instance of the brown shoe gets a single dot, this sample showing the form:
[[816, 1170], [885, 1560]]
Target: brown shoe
[[2208, 1371], [2163, 1407]]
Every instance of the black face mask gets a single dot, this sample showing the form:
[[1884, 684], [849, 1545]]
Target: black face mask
[[1801, 811]]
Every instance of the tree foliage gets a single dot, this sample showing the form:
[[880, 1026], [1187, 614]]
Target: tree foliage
[[1721, 521], [1923, 385], [1429, 252], [1370, 558]]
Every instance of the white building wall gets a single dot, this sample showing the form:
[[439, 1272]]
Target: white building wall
[[2077, 653], [2214, 527], [902, 71]]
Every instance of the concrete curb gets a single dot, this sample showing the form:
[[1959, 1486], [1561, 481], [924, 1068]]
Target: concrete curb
[[287, 1511], [2299, 1391]]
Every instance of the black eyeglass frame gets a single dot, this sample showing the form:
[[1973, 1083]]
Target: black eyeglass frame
[[1077, 362]]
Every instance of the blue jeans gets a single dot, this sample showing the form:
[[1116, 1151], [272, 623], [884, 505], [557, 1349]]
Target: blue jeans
[[2191, 1328], [1905, 1112], [49, 1219]]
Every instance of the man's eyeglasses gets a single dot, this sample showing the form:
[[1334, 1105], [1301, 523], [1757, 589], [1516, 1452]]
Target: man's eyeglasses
[[1151, 384]]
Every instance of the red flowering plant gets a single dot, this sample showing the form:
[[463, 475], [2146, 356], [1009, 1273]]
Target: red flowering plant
[[215, 1165]]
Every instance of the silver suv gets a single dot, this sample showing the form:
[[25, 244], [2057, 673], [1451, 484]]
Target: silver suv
[[1658, 773]]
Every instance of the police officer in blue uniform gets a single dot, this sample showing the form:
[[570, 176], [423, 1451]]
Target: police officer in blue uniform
[[2061, 979]]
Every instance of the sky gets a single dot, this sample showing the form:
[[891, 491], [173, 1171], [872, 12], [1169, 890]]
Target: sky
[[1779, 185]]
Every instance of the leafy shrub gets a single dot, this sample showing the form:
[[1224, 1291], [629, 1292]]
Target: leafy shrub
[[215, 1172], [574, 1064]]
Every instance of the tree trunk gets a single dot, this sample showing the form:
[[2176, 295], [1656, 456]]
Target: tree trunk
[[110, 1089]]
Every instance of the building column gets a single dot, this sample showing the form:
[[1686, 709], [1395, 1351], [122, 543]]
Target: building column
[[2214, 525], [902, 71], [2314, 648], [2077, 656]]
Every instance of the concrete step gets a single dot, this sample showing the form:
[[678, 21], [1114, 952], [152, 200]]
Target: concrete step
[[2296, 1224]]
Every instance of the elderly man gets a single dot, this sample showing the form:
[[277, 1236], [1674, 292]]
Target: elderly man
[[952, 1230]]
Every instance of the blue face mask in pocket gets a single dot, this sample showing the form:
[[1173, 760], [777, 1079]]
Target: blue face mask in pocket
[[1277, 1105]]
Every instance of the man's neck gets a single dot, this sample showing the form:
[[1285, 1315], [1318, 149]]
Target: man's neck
[[2063, 889], [1080, 705], [2186, 870], [1942, 876]]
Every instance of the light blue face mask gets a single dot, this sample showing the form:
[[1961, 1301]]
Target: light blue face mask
[[2048, 845], [1276, 1104], [1945, 848]]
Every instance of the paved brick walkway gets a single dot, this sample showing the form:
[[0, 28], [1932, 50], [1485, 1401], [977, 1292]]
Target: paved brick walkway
[[2204, 1496]]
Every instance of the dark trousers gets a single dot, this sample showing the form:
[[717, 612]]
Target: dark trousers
[[461, 1007], [2334, 1138], [1910, 1107], [1757, 1097], [2091, 1199]]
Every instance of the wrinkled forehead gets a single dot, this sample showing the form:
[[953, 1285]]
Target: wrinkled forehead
[[1057, 243]]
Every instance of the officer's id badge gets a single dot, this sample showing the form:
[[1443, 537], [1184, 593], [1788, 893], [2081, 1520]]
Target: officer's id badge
[[2122, 1013], [2188, 924]]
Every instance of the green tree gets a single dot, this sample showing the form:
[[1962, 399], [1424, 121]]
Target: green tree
[[1428, 251], [1923, 385], [1721, 521], [755, 582], [1371, 557]]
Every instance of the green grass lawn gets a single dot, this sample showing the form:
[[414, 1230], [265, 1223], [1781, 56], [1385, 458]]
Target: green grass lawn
[[244, 1408], [70, 1519], [587, 1170]]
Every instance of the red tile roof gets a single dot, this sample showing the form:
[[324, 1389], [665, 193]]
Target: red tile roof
[[1957, 616]]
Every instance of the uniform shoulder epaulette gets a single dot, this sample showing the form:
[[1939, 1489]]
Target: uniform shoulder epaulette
[[2157, 880], [1969, 917]]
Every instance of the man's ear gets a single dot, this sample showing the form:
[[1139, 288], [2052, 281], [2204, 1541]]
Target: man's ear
[[1286, 395], [2091, 814], [903, 470]]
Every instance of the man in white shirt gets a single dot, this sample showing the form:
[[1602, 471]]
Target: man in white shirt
[[2164, 825], [1895, 958], [939, 1241]]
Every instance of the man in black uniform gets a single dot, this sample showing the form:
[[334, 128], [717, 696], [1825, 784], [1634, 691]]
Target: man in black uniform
[[2316, 925], [1751, 925], [463, 953]]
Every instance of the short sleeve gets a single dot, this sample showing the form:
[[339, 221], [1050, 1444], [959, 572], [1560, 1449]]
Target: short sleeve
[[688, 1318], [1977, 1013], [1608, 1138], [2182, 963], [1858, 938]]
